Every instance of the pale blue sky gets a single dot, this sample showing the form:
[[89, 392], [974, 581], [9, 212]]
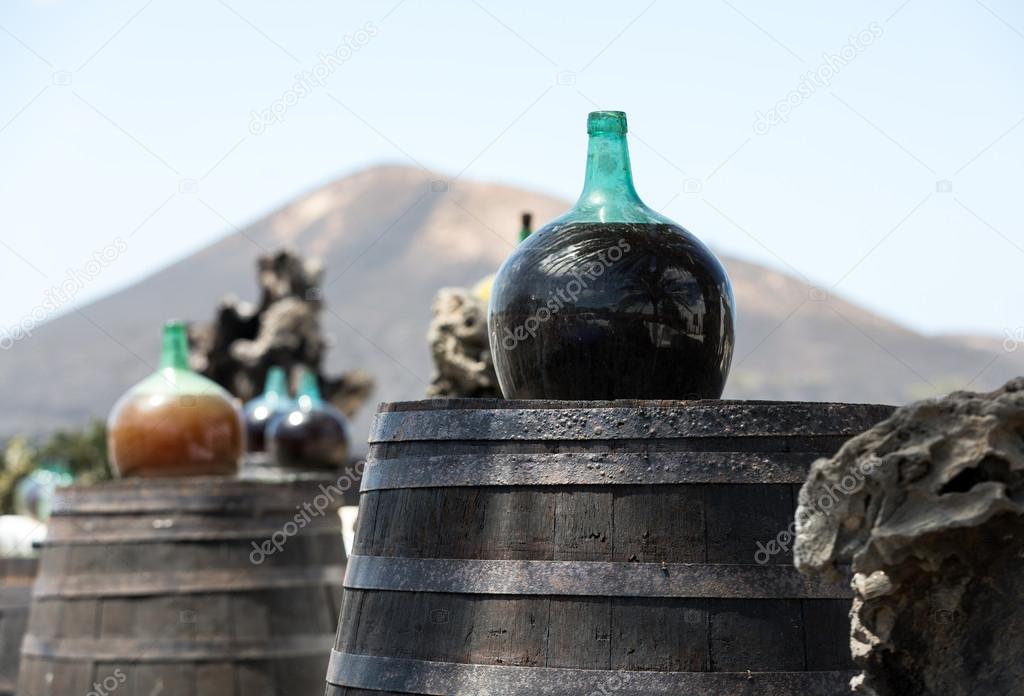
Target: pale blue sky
[[108, 108]]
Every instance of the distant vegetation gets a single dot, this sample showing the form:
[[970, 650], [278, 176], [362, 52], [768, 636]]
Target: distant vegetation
[[82, 452]]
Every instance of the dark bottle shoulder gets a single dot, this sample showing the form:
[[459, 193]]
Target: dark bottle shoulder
[[558, 247]]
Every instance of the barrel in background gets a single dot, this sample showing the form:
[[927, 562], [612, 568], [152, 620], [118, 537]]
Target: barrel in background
[[258, 466], [16, 578], [542, 548], [186, 587]]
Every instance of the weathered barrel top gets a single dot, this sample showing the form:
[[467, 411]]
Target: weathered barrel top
[[655, 442]]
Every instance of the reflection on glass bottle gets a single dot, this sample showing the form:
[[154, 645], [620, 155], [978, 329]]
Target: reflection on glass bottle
[[259, 412], [175, 422], [611, 300], [313, 435]]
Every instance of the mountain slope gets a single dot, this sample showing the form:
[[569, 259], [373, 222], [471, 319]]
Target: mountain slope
[[390, 237]]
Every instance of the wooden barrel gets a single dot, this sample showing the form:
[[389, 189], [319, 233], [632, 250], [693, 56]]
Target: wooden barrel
[[186, 587], [258, 466], [531, 548], [16, 578]]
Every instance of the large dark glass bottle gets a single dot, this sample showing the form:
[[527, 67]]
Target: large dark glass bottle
[[611, 300], [259, 412], [175, 422], [313, 435]]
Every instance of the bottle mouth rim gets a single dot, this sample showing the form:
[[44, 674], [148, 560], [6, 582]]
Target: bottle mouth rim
[[606, 122]]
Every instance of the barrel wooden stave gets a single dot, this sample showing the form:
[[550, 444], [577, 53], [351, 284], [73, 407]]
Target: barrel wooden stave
[[16, 578], [441, 484], [755, 634], [182, 609]]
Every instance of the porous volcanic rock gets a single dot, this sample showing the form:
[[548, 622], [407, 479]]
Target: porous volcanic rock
[[459, 347], [928, 509]]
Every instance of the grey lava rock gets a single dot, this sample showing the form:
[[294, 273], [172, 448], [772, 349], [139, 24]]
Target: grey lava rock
[[927, 508], [460, 348]]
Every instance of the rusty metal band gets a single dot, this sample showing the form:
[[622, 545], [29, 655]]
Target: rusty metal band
[[585, 579], [348, 670], [118, 529], [195, 495], [142, 649], [171, 582], [574, 469], [761, 444], [699, 419]]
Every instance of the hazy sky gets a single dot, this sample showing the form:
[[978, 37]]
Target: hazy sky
[[817, 138]]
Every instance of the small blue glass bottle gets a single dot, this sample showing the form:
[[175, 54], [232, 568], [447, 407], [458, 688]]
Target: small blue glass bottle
[[259, 412]]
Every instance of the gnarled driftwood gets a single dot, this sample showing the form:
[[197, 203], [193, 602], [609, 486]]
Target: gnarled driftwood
[[245, 340]]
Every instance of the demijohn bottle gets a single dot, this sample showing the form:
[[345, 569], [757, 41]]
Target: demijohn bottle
[[313, 435], [175, 422], [259, 412], [611, 300]]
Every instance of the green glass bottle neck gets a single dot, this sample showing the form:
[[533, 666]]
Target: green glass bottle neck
[[175, 376], [308, 393], [174, 353], [277, 384], [608, 191], [609, 177]]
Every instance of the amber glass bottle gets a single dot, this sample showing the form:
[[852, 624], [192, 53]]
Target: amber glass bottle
[[175, 422], [612, 300], [312, 436]]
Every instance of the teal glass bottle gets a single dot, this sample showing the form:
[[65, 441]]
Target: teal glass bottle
[[259, 412], [611, 300], [313, 435], [33, 495]]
